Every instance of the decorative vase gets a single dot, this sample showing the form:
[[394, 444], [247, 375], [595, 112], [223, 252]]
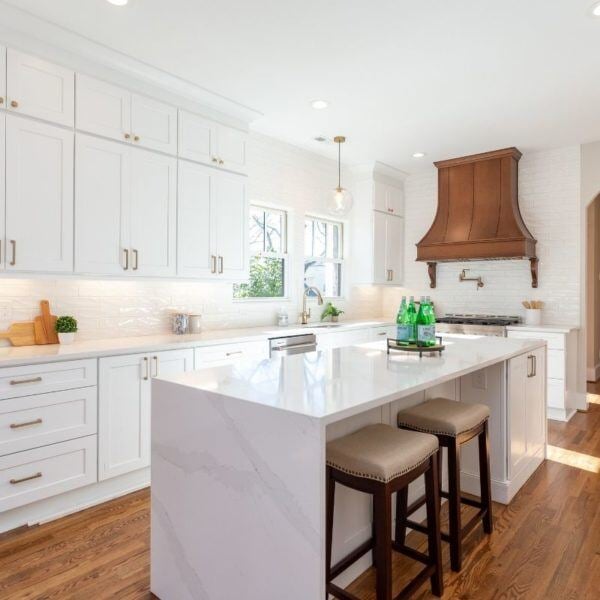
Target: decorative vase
[[533, 316], [66, 338], [334, 319]]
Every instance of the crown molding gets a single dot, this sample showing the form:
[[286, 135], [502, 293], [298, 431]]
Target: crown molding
[[377, 171], [30, 33]]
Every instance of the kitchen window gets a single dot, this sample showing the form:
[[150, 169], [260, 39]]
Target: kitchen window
[[268, 255], [323, 256]]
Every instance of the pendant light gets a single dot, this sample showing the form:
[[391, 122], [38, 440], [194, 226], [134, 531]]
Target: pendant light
[[340, 201]]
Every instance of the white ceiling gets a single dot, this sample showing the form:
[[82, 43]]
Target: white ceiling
[[448, 77]]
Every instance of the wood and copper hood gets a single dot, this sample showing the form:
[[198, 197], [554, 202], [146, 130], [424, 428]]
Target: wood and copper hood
[[478, 216]]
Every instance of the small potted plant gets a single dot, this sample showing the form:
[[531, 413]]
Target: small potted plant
[[331, 311], [66, 327]]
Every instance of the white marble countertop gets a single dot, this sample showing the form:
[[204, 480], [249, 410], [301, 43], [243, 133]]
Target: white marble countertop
[[22, 355], [542, 328], [335, 384]]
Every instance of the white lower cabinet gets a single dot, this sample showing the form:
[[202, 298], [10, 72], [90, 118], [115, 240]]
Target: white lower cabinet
[[339, 339], [213, 356], [124, 386]]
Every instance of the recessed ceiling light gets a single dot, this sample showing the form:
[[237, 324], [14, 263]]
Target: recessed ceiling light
[[320, 138], [418, 154], [319, 104], [596, 9], [118, 2]]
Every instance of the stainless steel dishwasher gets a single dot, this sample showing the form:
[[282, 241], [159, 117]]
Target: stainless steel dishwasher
[[292, 344]]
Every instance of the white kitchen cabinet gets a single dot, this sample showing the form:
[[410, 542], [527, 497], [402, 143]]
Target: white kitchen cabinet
[[39, 196], [103, 109], [388, 198], [213, 223], [38, 88], [383, 332], [102, 188], [2, 77], [3, 242], [153, 214], [113, 112], [153, 124], [206, 141], [339, 339], [222, 354], [388, 248], [124, 407]]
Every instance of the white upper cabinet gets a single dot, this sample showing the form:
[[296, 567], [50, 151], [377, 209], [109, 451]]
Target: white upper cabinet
[[102, 184], [40, 89], [113, 112], [153, 213], [231, 226], [39, 196], [388, 198], [231, 148], [197, 138], [2, 77], [3, 243], [103, 109], [194, 239], [153, 124], [394, 249]]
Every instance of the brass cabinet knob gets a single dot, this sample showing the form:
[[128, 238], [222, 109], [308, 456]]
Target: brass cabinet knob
[[1, 100], [215, 159], [127, 136], [14, 104], [221, 161], [136, 138]]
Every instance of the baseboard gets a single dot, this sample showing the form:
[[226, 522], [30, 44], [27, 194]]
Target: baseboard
[[593, 373], [560, 414]]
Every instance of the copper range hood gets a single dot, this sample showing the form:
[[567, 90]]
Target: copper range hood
[[478, 216]]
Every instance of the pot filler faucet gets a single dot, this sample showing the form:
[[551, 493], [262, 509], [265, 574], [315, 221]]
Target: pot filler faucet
[[305, 314]]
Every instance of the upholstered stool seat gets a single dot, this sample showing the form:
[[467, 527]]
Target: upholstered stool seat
[[442, 416], [454, 424], [381, 460]]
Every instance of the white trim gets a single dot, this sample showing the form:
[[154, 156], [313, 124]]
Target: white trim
[[560, 414], [593, 373]]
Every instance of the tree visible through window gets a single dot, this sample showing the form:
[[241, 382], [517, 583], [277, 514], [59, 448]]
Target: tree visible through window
[[268, 233], [323, 251]]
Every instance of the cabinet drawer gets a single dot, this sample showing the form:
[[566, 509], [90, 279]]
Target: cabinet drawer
[[556, 393], [50, 377], [215, 355], [555, 341], [556, 364], [35, 421], [37, 474]]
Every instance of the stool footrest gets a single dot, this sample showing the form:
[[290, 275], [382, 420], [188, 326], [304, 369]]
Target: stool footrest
[[341, 566], [464, 500], [468, 527], [417, 526], [411, 553], [408, 590], [338, 592]]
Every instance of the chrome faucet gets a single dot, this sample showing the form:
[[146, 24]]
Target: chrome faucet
[[305, 314]]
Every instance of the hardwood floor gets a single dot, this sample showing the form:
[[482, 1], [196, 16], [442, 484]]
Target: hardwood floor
[[546, 544]]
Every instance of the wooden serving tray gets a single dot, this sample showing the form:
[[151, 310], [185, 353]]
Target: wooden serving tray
[[393, 344]]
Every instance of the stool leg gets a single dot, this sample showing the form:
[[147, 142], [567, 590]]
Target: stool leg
[[382, 513], [485, 478], [401, 515], [454, 506], [330, 502], [433, 525]]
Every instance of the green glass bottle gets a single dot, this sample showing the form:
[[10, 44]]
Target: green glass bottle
[[411, 318], [425, 324], [402, 323]]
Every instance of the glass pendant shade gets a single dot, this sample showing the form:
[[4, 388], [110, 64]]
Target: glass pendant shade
[[340, 202]]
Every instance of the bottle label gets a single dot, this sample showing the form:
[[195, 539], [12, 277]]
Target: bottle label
[[403, 333], [426, 334]]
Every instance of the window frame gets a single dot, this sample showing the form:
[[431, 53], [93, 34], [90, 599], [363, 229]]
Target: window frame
[[284, 255], [341, 260]]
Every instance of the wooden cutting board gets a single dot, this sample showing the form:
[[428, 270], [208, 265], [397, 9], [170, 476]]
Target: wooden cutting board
[[44, 326], [20, 334]]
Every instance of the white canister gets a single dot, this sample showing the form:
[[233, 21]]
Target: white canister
[[66, 338], [533, 316], [195, 323]]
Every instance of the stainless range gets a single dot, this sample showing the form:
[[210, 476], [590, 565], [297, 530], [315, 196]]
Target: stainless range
[[494, 325]]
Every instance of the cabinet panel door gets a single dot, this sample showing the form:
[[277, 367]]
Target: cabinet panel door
[[395, 248], [380, 270], [153, 124], [2, 76], [123, 414], [380, 196], [232, 148], [103, 109], [172, 362], [102, 188], [195, 245], [3, 241], [153, 213], [517, 413], [39, 196], [536, 409], [197, 138], [40, 89], [395, 200], [230, 210]]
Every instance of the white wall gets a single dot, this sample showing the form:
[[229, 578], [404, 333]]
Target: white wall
[[279, 174], [549, 192]]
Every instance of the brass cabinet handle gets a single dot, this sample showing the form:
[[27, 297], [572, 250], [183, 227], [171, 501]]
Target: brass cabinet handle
[[220, 264], [29, 478], [146, 369], [382, 333], [155, 359], [13, 261], [126, 259], [530, 365], [215, 159], [14, 104], [136, 138], [534, 365], [20, 381], [239, 352], [221, 161], [213, 264], [1, 100], [25, 424], [391, 274], [135, 257], [127, 135]]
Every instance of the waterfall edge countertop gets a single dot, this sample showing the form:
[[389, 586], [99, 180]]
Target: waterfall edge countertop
[[335, 384]]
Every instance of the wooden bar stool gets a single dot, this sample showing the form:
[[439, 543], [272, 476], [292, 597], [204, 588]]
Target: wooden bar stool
[[454, 424], [381, 460]]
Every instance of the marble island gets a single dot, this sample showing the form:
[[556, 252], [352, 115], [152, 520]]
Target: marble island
[[238, 456]]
